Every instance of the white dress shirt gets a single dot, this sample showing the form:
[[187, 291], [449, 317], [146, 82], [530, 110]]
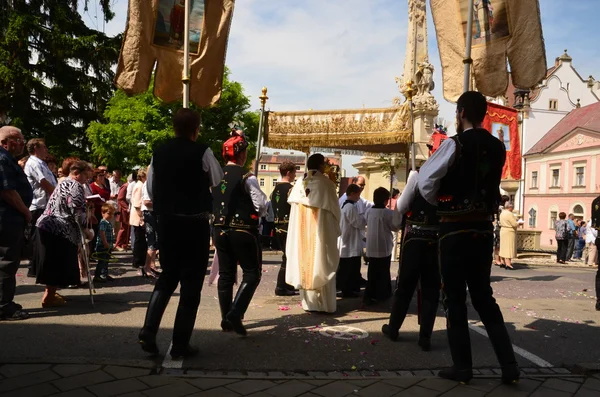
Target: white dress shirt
[[407, 197], [37, 170], [115, 186], [434, 169], [381, 222], [259, 198], [145, 196], [352, 224], [363, 204], [590, 235], [130, 192]]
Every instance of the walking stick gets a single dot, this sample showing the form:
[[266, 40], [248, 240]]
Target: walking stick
[[86, 257]]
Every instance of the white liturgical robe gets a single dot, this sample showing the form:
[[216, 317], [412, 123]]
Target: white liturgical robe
[[311, 247]]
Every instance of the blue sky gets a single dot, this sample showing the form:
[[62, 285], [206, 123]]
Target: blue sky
[[334, 54]]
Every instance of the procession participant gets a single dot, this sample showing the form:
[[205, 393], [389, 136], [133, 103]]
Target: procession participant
[[462, 179], [239, 204], [595, 224], [281, 212], [16, 195], [382, 222], [183, 229], [123, 218], [350, 245], [313, 230], [136, 220]]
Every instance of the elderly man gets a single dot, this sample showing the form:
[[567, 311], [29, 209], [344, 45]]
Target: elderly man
[[16, 195], [42, 182]]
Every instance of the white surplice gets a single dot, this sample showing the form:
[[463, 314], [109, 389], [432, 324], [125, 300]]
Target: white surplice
[[311, 247]]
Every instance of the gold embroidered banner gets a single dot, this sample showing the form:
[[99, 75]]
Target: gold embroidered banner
[[155, 32], [501, 29], [385, 130]]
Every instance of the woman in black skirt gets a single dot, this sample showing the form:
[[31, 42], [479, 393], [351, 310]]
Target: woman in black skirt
[[59, 234]]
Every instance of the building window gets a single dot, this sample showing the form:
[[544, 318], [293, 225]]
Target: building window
[[553, 104], [553, 217], [555, 178], [534, 179], [274, 182], [532, 218], [262, 182], [263, 167], [579, 176], [578, 211]]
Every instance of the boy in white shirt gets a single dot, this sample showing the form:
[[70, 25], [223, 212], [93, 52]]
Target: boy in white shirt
[[381, 223], [350, 245]]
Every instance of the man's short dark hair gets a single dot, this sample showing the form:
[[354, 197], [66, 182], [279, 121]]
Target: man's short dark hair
[[186, 122], [134, 175], [352, 188], [395, 192], [33, 144], [474, 104], [380, 196], [315, 161], [285, 167]]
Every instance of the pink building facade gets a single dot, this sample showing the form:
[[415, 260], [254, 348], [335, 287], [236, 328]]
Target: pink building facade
[[562, 172]]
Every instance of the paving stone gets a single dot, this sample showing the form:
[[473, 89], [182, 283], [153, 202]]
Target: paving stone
[[208, 383], [462, 391], [507, 391], [26, 380], [117, 387], [423, 373], [309, 395], [562, 385], [336, 389], [335, 374], [379, 389], [257, 374], [12, 370], [438, 384], [574, 379], [218, 392], [126, 372], [485, 385], [547, 371], [66, 370], [406, 373], [592, 383], [276, 374], [363, 382], [486, 372], [418, 391], [530, 370], [41, 390], [134, 394], [497, 371], [369, 374], [75, 393], [388, 374], [246, 387], [157, 380], [476, 372], [526, 385], [82, 380], [316, 374], [561, 370], [583, 392], [544, 392], [403, 382], [291, 388], [317, 382], [175, 389], [259, 394]]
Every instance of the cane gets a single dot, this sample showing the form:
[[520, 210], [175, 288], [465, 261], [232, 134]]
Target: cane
[[86, 258]]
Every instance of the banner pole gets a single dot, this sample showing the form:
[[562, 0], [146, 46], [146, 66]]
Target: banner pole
[[185, 76], [467, 60], [263, 100]]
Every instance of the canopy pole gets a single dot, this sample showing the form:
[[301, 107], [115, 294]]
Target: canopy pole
[[185, 78], [263, 100], [467, 60]]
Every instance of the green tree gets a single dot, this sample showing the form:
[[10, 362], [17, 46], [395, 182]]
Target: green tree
[[133, 126], [55, 74]]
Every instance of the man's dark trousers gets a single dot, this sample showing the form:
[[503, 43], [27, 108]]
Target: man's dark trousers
[[11, 243], [465, 259]]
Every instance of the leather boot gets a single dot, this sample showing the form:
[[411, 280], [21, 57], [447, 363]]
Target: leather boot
[[460, 349], [225, 297], [240, 305], [182, 332], [156, 308], [502, 345], [428, 315], [397, 316]]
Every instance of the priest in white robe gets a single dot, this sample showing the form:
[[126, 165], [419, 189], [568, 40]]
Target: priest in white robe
[[314, 228]]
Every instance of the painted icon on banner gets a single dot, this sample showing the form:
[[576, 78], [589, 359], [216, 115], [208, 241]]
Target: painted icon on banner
[[501, 132], [169, 24], [490, 20]]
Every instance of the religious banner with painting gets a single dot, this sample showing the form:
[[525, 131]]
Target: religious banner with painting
[[154, 35], [503, 123], [501, 29]]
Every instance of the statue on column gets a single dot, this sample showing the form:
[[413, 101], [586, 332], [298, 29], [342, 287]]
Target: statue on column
[[424, 78]]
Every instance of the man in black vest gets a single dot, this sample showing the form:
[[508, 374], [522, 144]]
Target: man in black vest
[[595, 223], [281, 212], [181, 175], [462, 178], [238, 206]]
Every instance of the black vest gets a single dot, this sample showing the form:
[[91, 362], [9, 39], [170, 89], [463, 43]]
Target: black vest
[[472, 184], [279, 202], [596, 213], [180, 186], [422, 213], [233, 205]]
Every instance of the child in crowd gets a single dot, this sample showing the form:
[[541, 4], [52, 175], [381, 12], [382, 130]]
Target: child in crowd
[[104, 243], [350, 245], [381, 222]]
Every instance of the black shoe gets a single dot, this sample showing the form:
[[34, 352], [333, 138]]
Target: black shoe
[[510, 374], [458, 375], [350, 294], [226, 326], [31, 274], [185, 352], [389, 332], [99, 279], [17, 315], [425, 344], [290, 287], [284, 292], [363, 283], [236, 324], [109, 278], [148, 343]]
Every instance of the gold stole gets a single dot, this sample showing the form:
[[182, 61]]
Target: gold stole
[[309, 217]]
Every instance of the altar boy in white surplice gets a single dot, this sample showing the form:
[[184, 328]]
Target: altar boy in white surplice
[[314, 228]]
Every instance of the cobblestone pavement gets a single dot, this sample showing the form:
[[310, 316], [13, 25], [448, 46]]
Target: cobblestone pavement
[[77, 380]]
